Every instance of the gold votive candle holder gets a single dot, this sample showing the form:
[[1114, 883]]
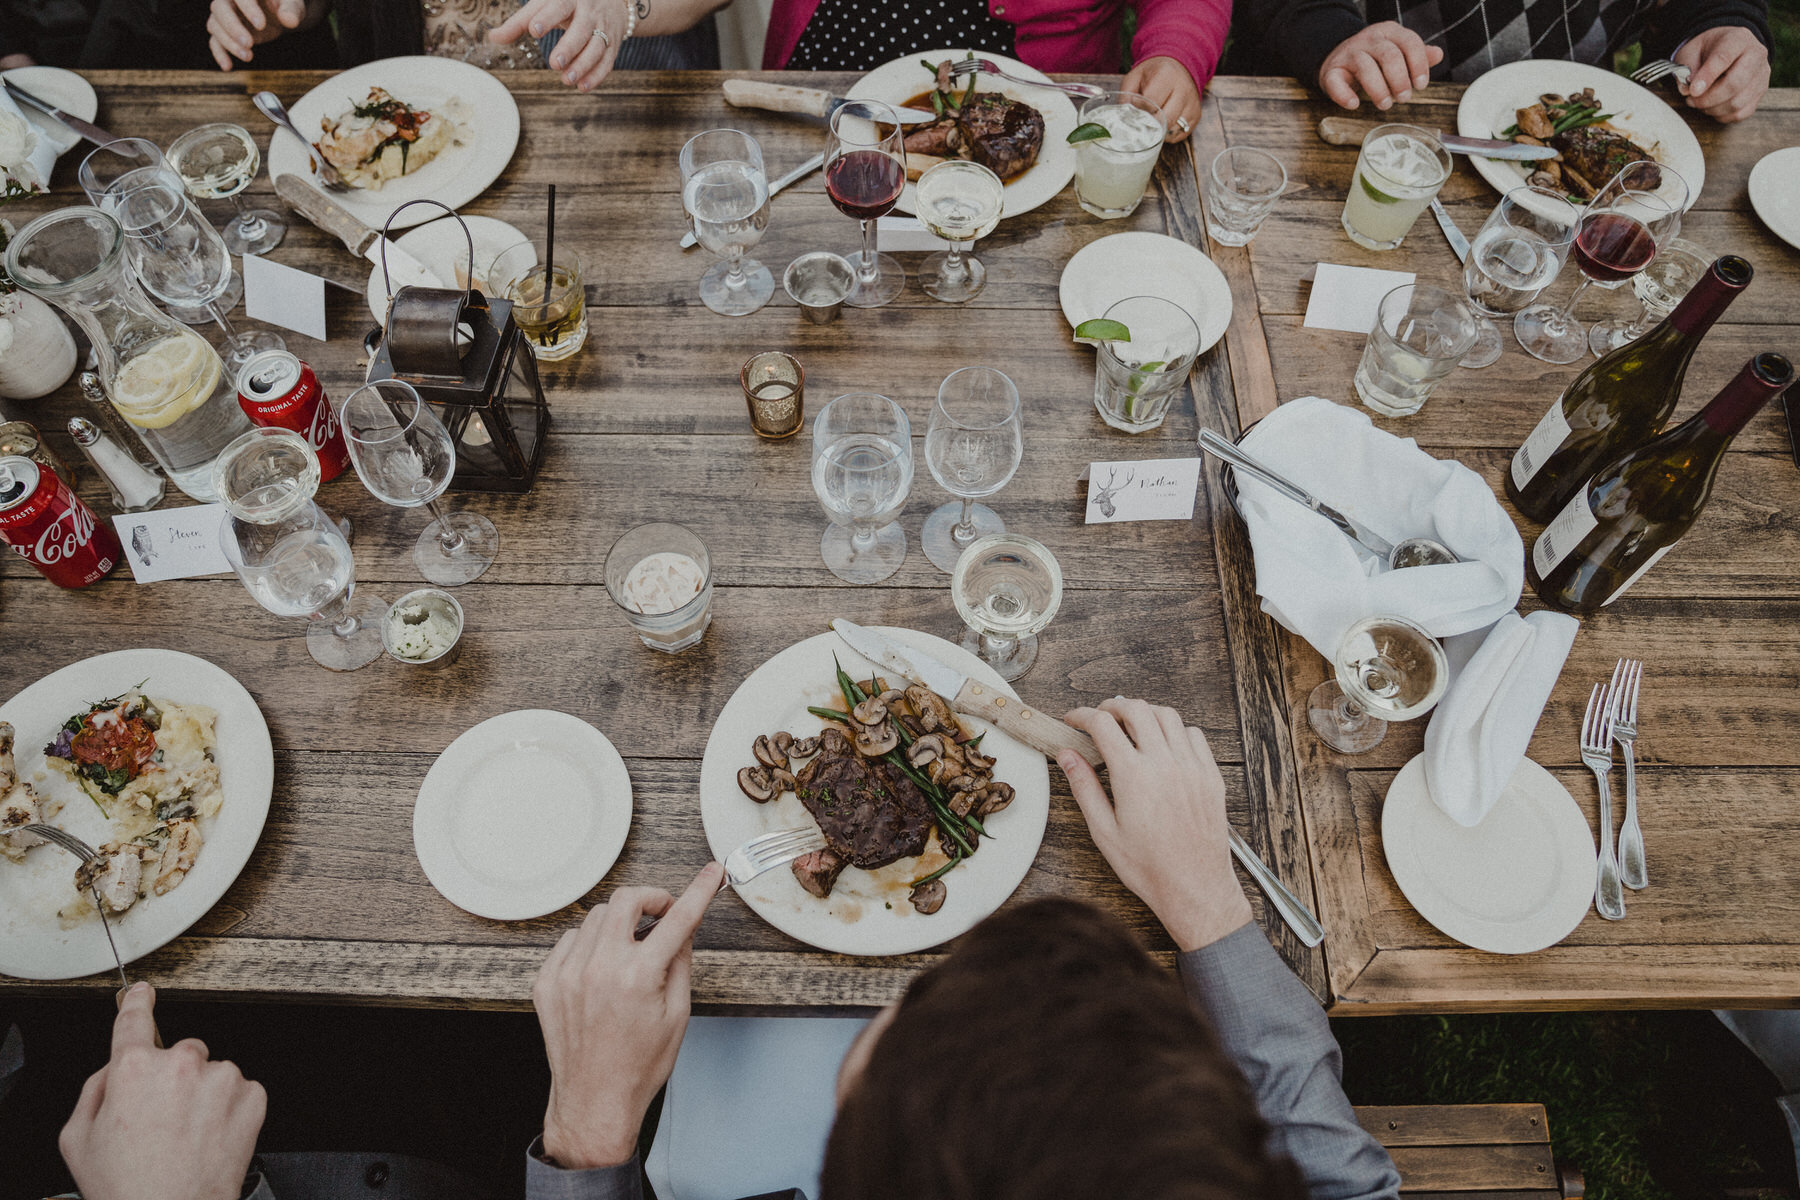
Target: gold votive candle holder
[[775, 389]]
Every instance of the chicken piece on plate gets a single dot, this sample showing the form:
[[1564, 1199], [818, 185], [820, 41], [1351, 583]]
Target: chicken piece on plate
[[19, 805], [114, 874], [179, 850]]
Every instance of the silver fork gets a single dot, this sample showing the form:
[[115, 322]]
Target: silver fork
[[1660, 69], [87, 854], [756, 856], [1624, 689], [970, 66], [270, 106], [1596, 752]]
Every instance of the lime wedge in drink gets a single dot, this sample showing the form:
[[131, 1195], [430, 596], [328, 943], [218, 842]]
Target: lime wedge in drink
[[1093, 131], [1375, 193], [1092, 333]]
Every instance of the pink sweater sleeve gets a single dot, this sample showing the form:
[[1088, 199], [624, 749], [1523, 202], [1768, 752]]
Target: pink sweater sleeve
[[1192, 32]]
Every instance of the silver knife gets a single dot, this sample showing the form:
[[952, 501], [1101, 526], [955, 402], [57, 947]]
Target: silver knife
[[1220, 447], [1348, 131], [362, 239], [1046, 735], [782, 97], [86, 129], [1458, 243], [688, 240]]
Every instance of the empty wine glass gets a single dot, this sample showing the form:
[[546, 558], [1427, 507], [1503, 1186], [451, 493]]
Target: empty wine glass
[[1677, 267], [862, 469], [1006, 587], [973, 444], [1620, 229], [726, 194], [405, 457], [960, 202], [865, 172], [1519, 251], [290, 556], [1388, 669], [110, 171], [218, 161]]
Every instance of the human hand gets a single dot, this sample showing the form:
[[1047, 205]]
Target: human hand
[[235, 26], [1168, 83], [594, 30], [161, 1124], [613, 1010], [1163, 831], [1730, 68], [11, 62], [1387, 59]]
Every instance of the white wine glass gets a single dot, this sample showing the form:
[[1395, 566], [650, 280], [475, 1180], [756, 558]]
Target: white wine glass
[[1677, 267], [1388, 669], [959, 201], [1006, 587], [973, 444], [726, 194], [1518, 253], [221, 160], [862, 469], [405, 457]]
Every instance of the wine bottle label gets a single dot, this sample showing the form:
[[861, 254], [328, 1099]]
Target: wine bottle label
[[1550, 433], [1637, 574], [1562, 535]]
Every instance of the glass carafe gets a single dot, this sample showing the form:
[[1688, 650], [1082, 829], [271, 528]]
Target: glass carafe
[[162, 376], [290, 556]]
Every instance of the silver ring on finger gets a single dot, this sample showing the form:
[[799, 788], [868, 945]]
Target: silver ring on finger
[[1181, 123], [605, 39]]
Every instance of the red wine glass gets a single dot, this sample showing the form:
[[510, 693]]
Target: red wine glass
[[1620, 229], [865, 171]]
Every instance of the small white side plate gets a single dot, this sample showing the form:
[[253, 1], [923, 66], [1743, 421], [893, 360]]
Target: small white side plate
[[1775, 193], [65, 89], [1520, 881], [1120, 265], [522, 815]]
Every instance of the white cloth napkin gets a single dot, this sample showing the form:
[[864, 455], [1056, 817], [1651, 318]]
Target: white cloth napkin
[[1483, 724], [25, 154], [1317, 582]]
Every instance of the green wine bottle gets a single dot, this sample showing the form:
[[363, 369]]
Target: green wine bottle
[[1637, 507], [1621, 401]]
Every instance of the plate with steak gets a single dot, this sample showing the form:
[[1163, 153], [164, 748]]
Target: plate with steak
[[772, 762], [1596, 121], [1017, 131]]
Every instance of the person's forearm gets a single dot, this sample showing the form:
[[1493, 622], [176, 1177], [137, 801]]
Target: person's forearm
[[1192, 32], [1675, 22], [1271, 1026], [546, 1181]]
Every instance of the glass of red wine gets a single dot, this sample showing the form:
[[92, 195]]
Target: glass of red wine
[[1638, 210], [865, 171]]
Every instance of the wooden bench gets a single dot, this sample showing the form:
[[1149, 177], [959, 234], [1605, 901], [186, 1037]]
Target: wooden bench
[[1472, 1151]]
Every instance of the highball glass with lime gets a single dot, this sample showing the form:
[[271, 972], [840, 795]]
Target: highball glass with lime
[[1400, 169]]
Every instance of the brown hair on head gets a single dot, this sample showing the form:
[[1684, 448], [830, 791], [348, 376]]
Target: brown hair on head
[[1050, 1056]]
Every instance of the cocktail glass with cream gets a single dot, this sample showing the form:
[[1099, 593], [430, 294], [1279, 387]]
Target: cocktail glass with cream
[[1112, 173], [661, 576]]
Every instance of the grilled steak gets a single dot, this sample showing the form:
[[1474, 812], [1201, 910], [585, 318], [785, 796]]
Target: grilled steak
[[1003, 135], [818, 871], [1598, 154], [871, 813]]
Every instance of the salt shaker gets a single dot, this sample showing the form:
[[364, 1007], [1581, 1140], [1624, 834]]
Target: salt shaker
[[108, 419], [134, 487]]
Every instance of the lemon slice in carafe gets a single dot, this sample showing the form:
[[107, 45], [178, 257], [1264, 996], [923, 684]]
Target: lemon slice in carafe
[[166, 382]]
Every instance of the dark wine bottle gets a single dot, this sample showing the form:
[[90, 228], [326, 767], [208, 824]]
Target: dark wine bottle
[[1637, 507], [1621, 401]]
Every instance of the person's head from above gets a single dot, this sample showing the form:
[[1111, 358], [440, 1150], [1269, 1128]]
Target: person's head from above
[[1049, 1055]]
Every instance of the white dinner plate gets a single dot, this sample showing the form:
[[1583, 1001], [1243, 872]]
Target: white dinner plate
[[33, 942], [440, 246], [899, 81], [1491, 103], [65, 89], [1112, 268], [1775, 193], [522, 815], [867, 911], [1520, 881], [487, 134]]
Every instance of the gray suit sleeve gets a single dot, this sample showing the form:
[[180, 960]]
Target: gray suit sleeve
[[1276, 1032], [545, 1181]]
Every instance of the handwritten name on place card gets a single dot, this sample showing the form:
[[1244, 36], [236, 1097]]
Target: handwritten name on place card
[[173, 543], [1151, 489]]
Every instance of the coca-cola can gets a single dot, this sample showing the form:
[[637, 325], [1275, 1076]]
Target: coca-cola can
[[277, 390], [46, 523]]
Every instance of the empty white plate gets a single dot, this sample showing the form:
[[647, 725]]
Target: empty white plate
[[1121, 265], [1775, 193], [1520, 881], [522, 814]]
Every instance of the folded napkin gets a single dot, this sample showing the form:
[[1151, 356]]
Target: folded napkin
[[1317, 582], [1481, 727], [26, 155]]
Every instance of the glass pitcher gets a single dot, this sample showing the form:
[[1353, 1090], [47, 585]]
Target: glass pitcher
[[290, 556], [162, 376]]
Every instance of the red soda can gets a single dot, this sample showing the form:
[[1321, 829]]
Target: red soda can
[[276, 389], [45, 522]]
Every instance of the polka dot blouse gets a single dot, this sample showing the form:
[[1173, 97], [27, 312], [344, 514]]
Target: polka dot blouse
[[856, 35]]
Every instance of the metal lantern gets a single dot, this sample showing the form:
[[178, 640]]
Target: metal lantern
[[466, 355]]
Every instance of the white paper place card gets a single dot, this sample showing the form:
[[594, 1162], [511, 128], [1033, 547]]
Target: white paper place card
[[284, 296], [905, 234], [1346, 297], [1151, 489], [173, 543]]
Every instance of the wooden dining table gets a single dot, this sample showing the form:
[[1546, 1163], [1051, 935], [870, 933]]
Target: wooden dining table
[[649, 423]]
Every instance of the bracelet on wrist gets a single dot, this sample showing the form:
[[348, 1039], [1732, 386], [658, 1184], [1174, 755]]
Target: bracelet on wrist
[[631, 20]]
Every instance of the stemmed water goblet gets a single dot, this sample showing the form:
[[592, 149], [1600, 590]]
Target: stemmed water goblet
[[220, 160], [1006, 587], [865, 172], [1679, 264], [960, 202], [1519, 251], [1387, 669], [862, 469], [726, 194], [1618, 234], [973, 444], [405, 457]]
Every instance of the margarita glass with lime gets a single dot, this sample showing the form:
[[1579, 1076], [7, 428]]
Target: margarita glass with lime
[[1145, 347], [1398, 172], [1113, 169]]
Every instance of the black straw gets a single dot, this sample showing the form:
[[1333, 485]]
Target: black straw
[[550, 245]]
